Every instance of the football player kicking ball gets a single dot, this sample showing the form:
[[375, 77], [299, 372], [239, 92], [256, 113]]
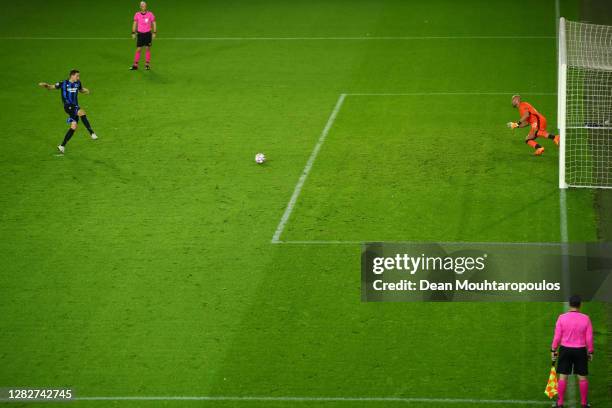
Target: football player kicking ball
[[535, 120], [70, 88], [145, 22]]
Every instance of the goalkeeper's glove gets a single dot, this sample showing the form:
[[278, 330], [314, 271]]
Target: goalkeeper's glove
[[513, 125]]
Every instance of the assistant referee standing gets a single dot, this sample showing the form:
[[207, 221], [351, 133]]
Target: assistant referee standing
[[572, 346]]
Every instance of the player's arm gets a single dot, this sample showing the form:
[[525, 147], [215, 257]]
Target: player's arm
[[154, 25], [134, 29], [589, 340], [556, 340], [82, 89], [521, 123], [50, 87]]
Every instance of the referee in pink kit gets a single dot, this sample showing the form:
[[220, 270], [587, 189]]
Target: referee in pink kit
[[144, 22], [572, 347]]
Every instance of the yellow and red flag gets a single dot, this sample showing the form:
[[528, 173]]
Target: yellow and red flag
[[551, 386]]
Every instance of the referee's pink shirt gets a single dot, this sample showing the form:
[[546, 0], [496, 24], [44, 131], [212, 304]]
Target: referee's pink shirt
[[573, 329]]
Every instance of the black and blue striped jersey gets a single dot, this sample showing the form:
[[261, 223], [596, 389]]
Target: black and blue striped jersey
[[69, 91]]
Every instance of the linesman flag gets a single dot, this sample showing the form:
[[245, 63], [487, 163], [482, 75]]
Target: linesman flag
[[551, 386]]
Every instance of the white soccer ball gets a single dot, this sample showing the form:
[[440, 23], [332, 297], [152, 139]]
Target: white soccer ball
[[260, 158]]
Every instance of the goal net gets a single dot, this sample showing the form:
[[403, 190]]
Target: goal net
[[585, 105]]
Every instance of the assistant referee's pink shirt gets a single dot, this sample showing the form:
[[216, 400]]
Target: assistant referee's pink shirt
[[573, 329], [144, 21]]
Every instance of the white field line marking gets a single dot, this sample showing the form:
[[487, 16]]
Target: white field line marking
[[339, 242], [306, 171], [319, 399], [458, 93], [362, 38], [571, 391], [318, 242], [563, 216]]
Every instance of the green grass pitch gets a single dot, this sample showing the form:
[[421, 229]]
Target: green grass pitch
[[141, 264]]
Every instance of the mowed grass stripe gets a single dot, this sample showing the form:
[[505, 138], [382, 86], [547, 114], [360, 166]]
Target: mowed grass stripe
[[367, 38], [320, 399]]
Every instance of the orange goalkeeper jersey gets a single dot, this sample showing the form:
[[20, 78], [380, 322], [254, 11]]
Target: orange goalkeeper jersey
[[534, 115]]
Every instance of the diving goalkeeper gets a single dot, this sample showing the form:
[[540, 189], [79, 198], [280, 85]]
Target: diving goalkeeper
[[535, 120]]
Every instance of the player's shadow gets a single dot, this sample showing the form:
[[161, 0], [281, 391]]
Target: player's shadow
[[153, 76], [112, 58]]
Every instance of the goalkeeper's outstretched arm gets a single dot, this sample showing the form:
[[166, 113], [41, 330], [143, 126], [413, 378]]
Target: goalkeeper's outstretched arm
[[523, 120], [45, 85], [521, 123]]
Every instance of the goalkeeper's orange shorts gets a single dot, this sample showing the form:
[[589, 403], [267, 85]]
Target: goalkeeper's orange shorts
[[537, 123]]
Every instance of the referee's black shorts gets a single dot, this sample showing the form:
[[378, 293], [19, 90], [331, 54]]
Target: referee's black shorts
[[144, 39], [573, 361]]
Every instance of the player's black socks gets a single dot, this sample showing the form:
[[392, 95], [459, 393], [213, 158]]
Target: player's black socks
[[86, 123], [551, 136], [68, 136]]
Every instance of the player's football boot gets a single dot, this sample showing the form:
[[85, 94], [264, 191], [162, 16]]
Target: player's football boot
[[539, 151], [557, 140], [587, 406], [148, 67], [94, 136], [61, 149], [133, 67]]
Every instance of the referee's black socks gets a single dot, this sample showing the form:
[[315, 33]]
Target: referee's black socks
[[86, 123], [68, 136]]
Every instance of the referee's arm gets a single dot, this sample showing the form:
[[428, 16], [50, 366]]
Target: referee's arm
[[556, 339], [589, 340]]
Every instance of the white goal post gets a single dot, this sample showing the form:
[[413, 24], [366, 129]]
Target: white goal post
[[585, 105]]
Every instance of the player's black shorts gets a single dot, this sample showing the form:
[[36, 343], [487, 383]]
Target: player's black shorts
[[573, 361], [144, 39], [73, 113]]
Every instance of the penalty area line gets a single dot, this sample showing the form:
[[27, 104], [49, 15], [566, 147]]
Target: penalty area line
[[458, 93], [406, 400], [298, 187], [353, 242]]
